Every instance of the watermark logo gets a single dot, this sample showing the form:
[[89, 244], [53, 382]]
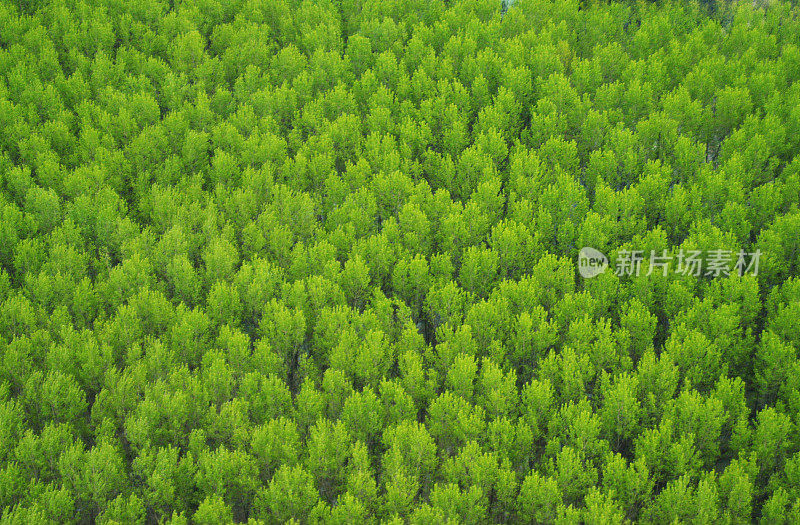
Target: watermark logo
[[716, 263], [591, 262]]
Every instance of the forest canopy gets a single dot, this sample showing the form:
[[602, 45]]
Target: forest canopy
[[319, 261]]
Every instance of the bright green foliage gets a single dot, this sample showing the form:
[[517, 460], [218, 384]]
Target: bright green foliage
[[284, 261]]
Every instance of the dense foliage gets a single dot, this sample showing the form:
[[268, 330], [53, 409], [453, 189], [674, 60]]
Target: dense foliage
[[270, 260]]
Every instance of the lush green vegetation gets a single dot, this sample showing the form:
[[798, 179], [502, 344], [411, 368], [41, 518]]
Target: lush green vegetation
[[269, 260]]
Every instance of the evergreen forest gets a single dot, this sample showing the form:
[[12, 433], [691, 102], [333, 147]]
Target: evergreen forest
[[323, 261]]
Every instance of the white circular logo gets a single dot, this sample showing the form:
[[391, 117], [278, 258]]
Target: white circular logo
[[591, 262]]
